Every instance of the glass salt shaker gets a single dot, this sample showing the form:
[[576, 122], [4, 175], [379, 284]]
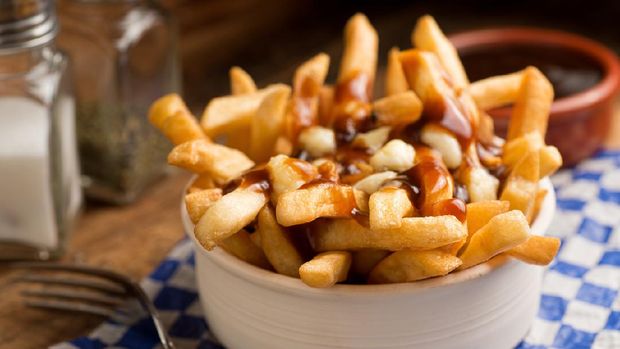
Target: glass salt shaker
[[123, 55], [40, 193]]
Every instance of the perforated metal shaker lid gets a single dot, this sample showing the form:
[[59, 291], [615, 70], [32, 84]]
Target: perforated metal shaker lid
[[26, 23]]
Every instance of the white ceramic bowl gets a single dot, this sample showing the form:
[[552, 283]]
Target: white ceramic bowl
[[488, 306]]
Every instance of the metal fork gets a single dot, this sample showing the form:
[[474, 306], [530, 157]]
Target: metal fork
[[107, 295]]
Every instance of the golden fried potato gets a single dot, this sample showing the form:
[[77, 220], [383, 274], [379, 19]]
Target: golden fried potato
[[428, 36], [241, 246], [503, 232], [233, 113], [496, 91], [361, 44], [480, 213], [408, 265], [287, 174], [303, 110], [550, 161], [538, 202], [165, 107], [198, 202], [395, 82], [522, 184], [417, 233], [228, 215], [182, 127], [531, 109], [268, 123], [202, 182], [365, 260], [223, 164], [320, 200], [240, 81], [277, 244], [539, 250], [387, 208], [398, 109], [326, 269]]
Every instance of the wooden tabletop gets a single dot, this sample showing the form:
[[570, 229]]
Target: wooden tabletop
[[129, 239]]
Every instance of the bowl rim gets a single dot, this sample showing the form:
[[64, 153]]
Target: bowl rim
[[563, 107], [289, 285]]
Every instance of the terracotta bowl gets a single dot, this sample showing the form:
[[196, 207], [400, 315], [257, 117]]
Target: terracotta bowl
[[579, 121], [490, 305]]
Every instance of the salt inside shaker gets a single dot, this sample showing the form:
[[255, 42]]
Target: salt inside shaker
[[39, 172]]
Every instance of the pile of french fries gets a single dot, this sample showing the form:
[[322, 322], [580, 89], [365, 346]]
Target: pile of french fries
[[324, 183]]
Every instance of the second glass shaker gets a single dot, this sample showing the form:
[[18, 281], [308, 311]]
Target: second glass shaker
[[124, 56]]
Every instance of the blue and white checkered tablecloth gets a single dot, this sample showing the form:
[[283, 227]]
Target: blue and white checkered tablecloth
[[580, 302]]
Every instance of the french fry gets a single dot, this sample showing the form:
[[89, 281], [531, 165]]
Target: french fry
[[326, 269], [496, 91], [408, 265], [417, 233], [444, 142], [501, 233], [328, 169], [320, 200], [395, 82], [307, 83], [539, 250], [268, 123], [165, 107], [366, 259], [538, 202], [353, 92], [182, 127], [373, 182], [522, 184], [361, 201], [278, 245], [201, 156], [198, 202], [531, 109], [398, 109], [480, 213], [517, 148], [240, 81], [387, 208], [287, 174], [241, 246], [255, 237], [224, 115], [228, 215], [436, 183], [326, 103], [428, 36], [550, 160], [360, 49], [201, 182]]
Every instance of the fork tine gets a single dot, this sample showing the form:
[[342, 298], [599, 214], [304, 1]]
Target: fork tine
[[70, 306], [75, 295], [129, 286], [91, 284]]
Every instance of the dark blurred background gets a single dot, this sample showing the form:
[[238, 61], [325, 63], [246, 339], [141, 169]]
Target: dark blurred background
[[269, 38]]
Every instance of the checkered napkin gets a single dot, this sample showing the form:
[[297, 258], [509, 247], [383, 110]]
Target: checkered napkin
[[580, 302]]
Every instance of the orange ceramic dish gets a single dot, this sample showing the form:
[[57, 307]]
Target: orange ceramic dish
[[585, 75]]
